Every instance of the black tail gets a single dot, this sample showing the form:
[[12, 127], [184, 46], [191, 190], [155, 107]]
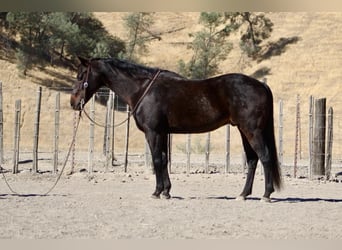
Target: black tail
[[275, 168]]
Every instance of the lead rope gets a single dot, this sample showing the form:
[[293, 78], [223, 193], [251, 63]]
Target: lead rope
[[103, 126], [62, 170]]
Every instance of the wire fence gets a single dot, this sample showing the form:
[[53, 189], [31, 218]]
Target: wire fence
[[100, 149]]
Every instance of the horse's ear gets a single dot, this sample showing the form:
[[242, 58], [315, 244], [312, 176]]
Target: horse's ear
[[84, 62]]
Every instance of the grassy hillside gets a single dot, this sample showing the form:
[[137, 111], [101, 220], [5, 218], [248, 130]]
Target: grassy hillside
[[310, 65]]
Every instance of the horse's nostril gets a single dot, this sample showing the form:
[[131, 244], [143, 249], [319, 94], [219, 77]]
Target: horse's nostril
[[72, 102]]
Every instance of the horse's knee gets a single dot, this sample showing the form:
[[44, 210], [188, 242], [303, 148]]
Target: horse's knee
[[164, 159], [157, 163], [160, 161]]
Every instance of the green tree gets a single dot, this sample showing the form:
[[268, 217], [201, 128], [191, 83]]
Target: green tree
[[63, 30], [138, 25], [209, 45], [3, 22], [75, 33], [254, 28], [31, 29], [59, 37]]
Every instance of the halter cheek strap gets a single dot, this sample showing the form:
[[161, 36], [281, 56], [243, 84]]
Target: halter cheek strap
[[84, 85]]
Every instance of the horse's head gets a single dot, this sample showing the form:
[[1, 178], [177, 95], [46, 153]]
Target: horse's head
[[88, 81]]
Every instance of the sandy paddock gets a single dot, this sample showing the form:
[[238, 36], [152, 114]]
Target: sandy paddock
[[117, 205]]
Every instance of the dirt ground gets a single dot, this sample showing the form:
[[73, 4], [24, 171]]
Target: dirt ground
[[117, 205]]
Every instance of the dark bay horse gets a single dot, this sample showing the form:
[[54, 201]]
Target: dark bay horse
[[163, 102]]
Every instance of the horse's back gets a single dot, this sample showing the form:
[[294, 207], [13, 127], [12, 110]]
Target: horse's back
[[203, 105]]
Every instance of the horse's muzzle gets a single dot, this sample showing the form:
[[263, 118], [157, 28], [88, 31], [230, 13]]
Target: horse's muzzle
[[75, 103]]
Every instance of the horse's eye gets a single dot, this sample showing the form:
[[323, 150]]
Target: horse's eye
[[85, 85]]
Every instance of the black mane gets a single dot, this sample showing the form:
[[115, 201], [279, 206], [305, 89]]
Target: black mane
[[133, 69], [136, 70]]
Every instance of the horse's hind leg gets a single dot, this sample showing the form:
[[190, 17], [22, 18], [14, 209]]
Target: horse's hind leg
[[158, 147], [252, 160], [258, 143]]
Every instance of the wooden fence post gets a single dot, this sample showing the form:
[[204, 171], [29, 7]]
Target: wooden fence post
[[107, 134], [244, 163], [1, 127], [319, 137], [188, 153], [148, 164], [73, 147], [280, 130], [91, 136], [56, 138], [297, 135], [207, 153], [227, 148], [16, 136], [36, 130], [113, 131], [329, 144], [311, 110], [127, 139], [169, 138]]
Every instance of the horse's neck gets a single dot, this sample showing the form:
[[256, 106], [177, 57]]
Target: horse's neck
[[127, 89]]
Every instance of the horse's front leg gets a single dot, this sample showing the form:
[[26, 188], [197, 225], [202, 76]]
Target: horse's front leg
[[158, 147]]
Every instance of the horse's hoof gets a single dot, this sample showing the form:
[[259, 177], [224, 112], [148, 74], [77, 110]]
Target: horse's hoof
[[155, 196], [240, 198], [265, 199], [166, 196]]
